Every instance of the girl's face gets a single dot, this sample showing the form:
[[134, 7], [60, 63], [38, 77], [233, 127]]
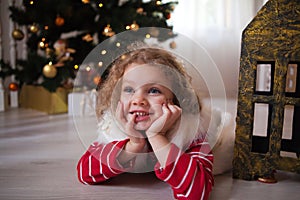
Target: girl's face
[[144, 90]]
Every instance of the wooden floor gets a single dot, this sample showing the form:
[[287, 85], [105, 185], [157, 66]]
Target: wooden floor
[[39, 153]]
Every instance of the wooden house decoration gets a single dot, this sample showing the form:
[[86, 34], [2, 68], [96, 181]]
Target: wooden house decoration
[[268, 116]]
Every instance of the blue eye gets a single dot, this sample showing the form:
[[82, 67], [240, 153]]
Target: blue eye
[[154, 91], [128, 90]]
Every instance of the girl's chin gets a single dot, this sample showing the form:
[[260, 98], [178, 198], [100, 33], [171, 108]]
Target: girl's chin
[[141, 127], [138, 128]]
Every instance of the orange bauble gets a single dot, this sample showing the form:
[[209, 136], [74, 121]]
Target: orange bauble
[[97, 80], [59, 21], [13, 87]]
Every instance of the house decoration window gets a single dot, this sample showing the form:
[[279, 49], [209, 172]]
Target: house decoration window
[[292, 87], [290, 140], [260, 135], [264, 78]]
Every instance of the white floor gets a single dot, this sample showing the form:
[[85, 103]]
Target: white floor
[[39, 153]]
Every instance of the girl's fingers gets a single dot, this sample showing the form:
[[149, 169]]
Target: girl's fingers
[[175, 110], [165, 110], [131, 120]]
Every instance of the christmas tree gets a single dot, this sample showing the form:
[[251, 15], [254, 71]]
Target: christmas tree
[[62, 32]]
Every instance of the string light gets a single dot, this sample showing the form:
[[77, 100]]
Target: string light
[[103, 52], [118, 44], [134, 26], [100, 64], [31, 2], [148, 36], [88, 68], [76, 67], [108, 31], [100, 5], [42, 44], [158, 3]]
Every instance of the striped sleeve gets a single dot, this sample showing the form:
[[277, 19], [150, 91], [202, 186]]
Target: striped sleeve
[[99, 162], [189, 173]]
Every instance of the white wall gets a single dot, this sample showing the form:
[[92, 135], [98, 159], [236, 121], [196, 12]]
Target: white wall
[[217, 26]]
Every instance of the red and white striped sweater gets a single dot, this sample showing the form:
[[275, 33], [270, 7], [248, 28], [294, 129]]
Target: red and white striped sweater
[[189, 173]]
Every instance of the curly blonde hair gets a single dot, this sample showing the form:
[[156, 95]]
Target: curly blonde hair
[[185, 96]]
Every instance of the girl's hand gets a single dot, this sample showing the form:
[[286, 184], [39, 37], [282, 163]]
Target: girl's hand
[[136, 139], [170, 114]]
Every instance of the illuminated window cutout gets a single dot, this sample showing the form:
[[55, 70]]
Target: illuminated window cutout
[[260, 135], [290, 142], [292, 87], [264, 78]]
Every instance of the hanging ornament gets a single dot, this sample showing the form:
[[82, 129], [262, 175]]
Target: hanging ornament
[[13, 86], [59, 21], [33, 28], [167, 15], [108, 31], [173, 45], [17, 34], [60, 47], [49, 70]]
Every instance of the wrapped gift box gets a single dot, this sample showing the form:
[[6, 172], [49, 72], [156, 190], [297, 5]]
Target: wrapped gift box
[[38, 98]]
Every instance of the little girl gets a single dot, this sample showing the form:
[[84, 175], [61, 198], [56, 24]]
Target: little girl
[[150, 121]]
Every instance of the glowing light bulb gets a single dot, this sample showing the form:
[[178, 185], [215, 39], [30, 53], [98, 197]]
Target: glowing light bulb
[[148, 36]]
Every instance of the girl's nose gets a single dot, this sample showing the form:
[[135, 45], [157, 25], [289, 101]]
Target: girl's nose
[[139, 99]]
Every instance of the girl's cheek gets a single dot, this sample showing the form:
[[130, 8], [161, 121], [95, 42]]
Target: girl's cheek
[[125, 105]]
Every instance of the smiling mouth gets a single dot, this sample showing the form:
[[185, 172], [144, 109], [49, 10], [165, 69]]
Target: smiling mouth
[[140, 116], [140, 113]]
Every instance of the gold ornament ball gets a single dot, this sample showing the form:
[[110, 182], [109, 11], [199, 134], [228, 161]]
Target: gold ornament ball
[[17, 34], [13, 86], [33, 28], [49, 71]]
